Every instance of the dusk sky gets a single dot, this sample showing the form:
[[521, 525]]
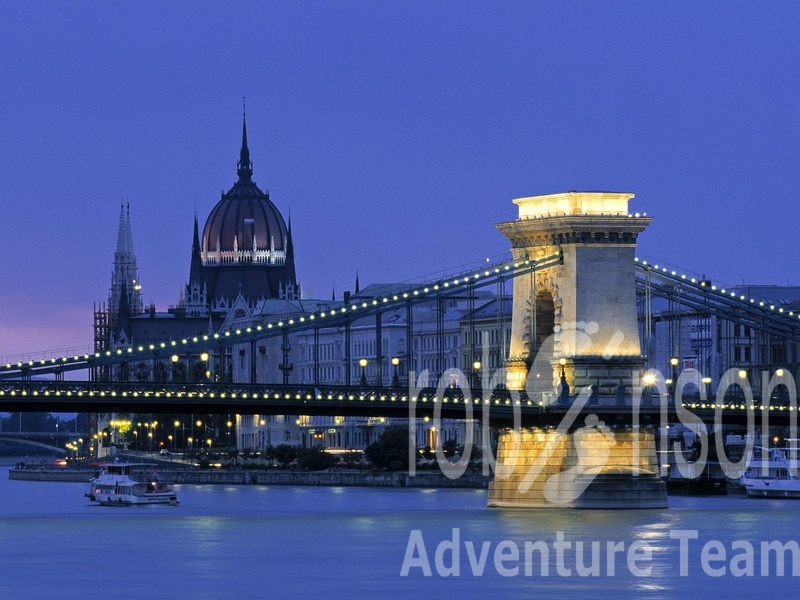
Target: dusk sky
[[397, 133]]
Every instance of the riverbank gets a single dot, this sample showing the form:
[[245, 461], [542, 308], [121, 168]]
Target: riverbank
[[425, 479]]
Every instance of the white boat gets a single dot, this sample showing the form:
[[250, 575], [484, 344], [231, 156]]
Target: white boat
[[125, 484], [777, 477]]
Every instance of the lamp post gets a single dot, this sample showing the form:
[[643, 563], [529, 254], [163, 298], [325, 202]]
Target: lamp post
[[395, 378], [673, 361], [707, 382], [362, 362], [476, 374], [174, 358], [204, 360], [742, 379], [564, 391]]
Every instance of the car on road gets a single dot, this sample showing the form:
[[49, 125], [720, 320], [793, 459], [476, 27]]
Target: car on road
[[164, 452]]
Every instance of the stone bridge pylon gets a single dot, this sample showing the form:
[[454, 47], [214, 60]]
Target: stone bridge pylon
[[584, 310], [576, 321]]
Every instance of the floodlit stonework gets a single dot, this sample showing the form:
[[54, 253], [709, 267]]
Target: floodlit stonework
[[589, 468], [584, 310]]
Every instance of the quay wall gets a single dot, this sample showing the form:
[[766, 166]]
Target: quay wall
[[291, 478]]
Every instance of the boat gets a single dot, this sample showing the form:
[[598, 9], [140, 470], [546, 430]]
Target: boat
[[126, 484], [776, 477]]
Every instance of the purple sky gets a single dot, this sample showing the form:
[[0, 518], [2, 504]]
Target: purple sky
[[397, 132]]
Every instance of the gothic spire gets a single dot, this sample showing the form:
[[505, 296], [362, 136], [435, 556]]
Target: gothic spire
[[195, 267], [289, 273], [245, 165], [358, 288], [196, 240], [125, 270]]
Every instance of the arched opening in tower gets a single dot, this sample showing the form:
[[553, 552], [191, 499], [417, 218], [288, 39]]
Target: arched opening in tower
[[544, 320]]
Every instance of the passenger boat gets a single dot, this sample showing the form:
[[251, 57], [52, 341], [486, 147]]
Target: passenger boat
[[125, 484], [776, 477]]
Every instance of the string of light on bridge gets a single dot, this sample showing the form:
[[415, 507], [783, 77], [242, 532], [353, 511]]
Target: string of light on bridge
[[728, 294], [371, 397], [442, 286], [389, 301]]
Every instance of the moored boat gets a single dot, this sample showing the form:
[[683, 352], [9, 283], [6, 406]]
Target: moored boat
[[126, 484], [776, 477]]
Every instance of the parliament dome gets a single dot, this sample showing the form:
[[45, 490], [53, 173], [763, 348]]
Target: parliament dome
[[244, 226]]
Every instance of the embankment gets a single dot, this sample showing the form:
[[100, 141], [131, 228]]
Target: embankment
[[432, 479]]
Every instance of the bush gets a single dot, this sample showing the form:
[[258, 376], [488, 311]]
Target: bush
[[390, 451], [316, 459]]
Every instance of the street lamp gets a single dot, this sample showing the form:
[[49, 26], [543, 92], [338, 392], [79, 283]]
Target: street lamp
[[395, 378], [564, 391], [174, 358], [204, 360], [673, 361], [707, 382], [476, 374], [362, 362]]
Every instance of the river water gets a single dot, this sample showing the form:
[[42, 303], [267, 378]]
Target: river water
[[287, 542]]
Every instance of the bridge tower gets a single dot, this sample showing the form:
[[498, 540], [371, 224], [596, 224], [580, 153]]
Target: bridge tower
[[574, 327]]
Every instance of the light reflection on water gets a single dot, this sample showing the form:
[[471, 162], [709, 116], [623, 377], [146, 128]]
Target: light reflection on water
[[349, 542]]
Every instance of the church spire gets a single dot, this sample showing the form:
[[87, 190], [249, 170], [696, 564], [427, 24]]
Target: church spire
[[195, 267], [245, 165], [125, 272]]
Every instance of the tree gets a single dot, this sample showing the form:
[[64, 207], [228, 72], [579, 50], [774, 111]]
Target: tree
[[286, 453], [390, 451], [316, 459]]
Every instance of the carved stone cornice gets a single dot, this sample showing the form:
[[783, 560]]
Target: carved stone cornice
[[573, 229]]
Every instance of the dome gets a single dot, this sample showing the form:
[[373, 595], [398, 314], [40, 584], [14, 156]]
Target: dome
[[244, 217], [244, 226]]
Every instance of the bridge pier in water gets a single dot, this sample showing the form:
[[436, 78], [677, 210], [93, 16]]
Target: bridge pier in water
[[588, 468], [575, 327]]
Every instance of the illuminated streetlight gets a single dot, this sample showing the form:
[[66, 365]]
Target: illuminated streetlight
[[673, 361], [362, 362], [395, 378]]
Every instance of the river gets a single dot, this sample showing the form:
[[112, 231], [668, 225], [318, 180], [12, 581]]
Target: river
[[297, 542]]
